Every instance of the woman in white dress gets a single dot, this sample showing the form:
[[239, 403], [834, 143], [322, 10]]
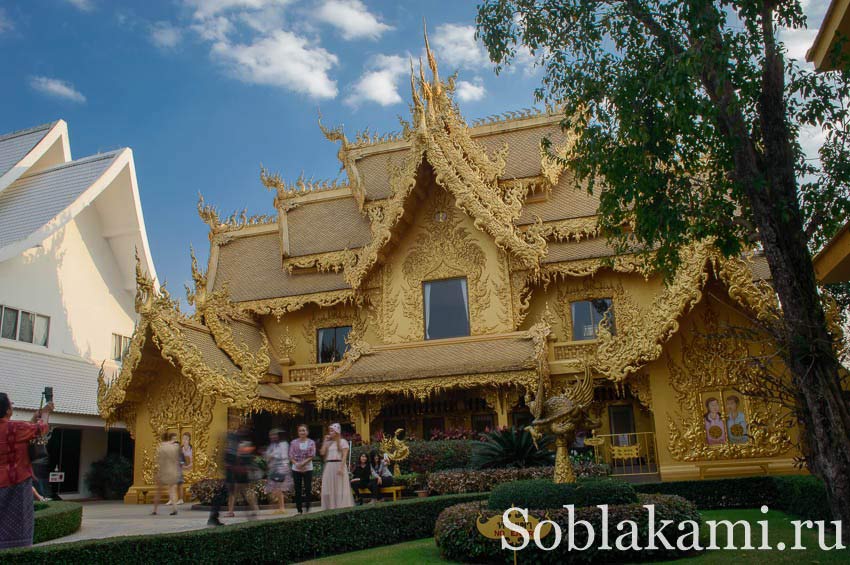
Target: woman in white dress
[[336, 488]]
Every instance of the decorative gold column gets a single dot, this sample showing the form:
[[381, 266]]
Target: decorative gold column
[[563, 466]]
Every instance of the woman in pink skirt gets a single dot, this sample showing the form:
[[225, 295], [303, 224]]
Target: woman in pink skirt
[[336, 488]]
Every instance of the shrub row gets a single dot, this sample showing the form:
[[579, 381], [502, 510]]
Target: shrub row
[[457, 535], [427, 456], [458, 481], [543, 493], [803, 495], [284, 540], [56, 519]]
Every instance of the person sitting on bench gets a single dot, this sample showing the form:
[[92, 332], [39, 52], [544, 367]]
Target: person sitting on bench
[[381, 475], [362, 477]]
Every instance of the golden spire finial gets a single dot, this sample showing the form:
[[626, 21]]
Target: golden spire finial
[[432, 61]]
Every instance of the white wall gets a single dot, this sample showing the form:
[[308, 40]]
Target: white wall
[[73, 278]]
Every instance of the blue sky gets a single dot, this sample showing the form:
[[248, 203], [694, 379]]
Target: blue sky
[[204, 91]]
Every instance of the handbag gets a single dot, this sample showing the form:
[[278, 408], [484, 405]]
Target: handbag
[[277, 476]]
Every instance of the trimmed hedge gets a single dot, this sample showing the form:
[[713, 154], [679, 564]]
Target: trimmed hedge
[[457, 481], [428, 456], [56, 519], [458, 538], [543, 493], [283, 540], [803, 495]]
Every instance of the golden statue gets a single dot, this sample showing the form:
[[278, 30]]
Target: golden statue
[[395, 449], [562, 416]]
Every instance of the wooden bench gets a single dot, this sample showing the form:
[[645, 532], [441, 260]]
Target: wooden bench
[[395, 491]]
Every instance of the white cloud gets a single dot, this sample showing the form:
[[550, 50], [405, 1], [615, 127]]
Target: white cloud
[[798, 41], [5, 22], [456, 47], [281, 59], [83, 5], [207, 8], [213, 29], [57, 88], [164, 35], [470, 92], [352, 18], [380, 81]]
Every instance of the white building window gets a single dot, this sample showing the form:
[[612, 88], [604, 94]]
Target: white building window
[[120, 347], [21, 325]]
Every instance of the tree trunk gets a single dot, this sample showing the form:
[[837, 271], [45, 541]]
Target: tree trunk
[[810, 355]]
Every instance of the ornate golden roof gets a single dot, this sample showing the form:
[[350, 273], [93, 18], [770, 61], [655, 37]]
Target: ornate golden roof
[[423, 368], [221, 363]]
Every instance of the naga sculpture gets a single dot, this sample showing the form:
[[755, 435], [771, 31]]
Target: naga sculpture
[[395, 449], [562, 416]]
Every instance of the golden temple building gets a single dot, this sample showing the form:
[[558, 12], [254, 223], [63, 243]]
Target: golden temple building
[[456, 267]]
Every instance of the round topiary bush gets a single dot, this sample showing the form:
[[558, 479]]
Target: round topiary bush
[[110, 477], [543, 493], [456, 533]]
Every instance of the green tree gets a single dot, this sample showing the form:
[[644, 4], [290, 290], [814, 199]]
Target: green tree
[[686, 118]]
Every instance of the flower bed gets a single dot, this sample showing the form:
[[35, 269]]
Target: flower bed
[[458, 538], [428, 456]]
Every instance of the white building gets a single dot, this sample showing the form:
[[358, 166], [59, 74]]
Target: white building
[[69, 232]]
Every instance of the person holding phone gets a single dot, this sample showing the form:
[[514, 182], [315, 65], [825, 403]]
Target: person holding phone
[[336, 489], [16, 493]]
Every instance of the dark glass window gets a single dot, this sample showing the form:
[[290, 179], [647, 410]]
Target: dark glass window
[[120, 443], [482, 423], [64, 451], [588, 314], [24, 326], [446, 308], [331, 343]]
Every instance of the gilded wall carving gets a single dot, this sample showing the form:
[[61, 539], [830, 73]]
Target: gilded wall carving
[[178, 407], [332, 318], [590, 289], [444, 249], [708, 363]]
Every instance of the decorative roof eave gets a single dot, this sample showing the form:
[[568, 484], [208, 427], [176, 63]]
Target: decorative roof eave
[[159, 314], [328, 261], [619, 356], [222, 229], [329, 392], [571, 229], [328, 396], [279, 306]]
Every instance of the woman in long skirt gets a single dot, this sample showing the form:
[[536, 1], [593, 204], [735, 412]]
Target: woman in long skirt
[[336, 488]]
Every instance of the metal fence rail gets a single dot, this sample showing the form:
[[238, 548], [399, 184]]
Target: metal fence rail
[[626, 454]]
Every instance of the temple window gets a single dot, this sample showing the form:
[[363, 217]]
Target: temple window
[[24, 326], [446, 308], [120, 347], [331, 343], [588, 314]]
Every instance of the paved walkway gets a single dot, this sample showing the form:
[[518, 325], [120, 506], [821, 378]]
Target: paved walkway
[[107, 519]]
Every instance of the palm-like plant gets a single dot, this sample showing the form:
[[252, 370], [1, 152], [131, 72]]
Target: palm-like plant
[[511, 447]]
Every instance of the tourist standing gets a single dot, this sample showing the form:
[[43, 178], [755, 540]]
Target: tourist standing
[[16, 492], [168, 470], [336, 489], [301, 453], [279, 475], [185, 464]]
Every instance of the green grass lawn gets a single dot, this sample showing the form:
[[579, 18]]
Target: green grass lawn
[[425, 551]]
